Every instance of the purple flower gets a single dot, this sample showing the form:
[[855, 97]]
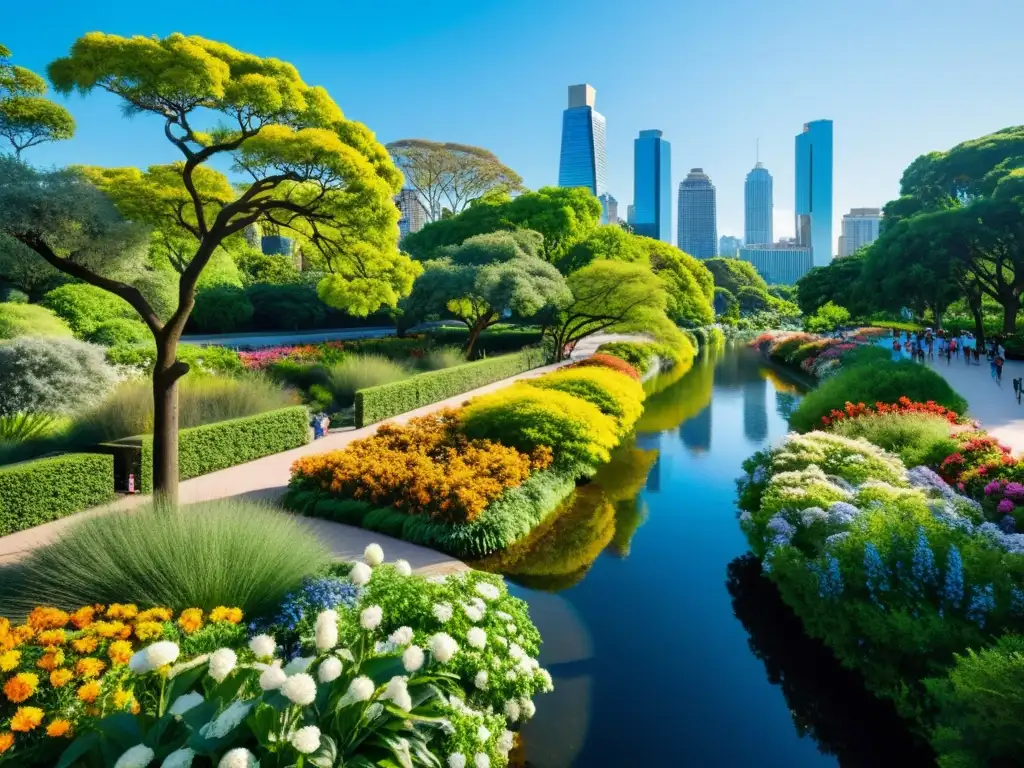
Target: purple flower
[[1008, 524], [1005, 507], [1015, 490]]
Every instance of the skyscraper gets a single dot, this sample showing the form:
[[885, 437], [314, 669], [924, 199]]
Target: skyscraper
[[729, 245], [582, 162], [652, 186], [611, 208], [860, 228], [757, 206], [778, 263], [413, 214], [630, 214], [814, 190], [698, 228]]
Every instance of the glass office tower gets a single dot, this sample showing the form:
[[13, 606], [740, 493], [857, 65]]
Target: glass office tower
[[814, 190], [582, 162], [698, 218], [757, 207], [652, 186]]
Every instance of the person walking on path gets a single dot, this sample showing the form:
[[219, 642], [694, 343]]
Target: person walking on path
[[897, 350], [997, 363]]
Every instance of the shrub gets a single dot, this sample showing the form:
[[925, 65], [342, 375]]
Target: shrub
[[527, 418], [210, 359], [638, 354], [425, 468], [607, 361], [613, 393], [208, 448], [12, 295], [120, 332], [441, 358], [864, 354], [918, 438], [85, 306], [37, 492], [18, 427], [375, 404], [493, 341], [290, 307], [30, 320], [52, 375], [882, 381], [221, 309], [225, 552], [353, 373]]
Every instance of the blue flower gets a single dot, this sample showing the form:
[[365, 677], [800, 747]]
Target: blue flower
[[1008, 524], [878, 573], [982, 601], [953, 588], [830, 580], [1017, 601], [782, 529], [923, 566]]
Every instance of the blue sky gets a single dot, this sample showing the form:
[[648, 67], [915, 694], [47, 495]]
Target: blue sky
[[898, 77]]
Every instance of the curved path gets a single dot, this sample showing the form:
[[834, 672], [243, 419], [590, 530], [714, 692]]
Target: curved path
[[266, 479]]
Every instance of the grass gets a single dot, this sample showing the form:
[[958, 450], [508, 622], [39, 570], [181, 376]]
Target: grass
[[918, 438], [441, 358], [226, 552], [343, 379]]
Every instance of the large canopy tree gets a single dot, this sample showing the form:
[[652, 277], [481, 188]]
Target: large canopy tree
[[839, 282], [26, 118], [485, 277], [299, 164], [450, 176]]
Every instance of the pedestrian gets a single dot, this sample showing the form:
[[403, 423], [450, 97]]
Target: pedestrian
[[997, 363], [930, 343], [949, 352], [897, 350]]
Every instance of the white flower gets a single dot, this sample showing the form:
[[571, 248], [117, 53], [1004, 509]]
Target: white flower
[[511, 629], [360, 574], [501, 640], [401, 636], [153, 657], [477, 638], [512, 674], [326, 630], [306, 740], [472, 612], [222, 662], [345, 654], [263, 646], [504, 616], [512, 710], [456, 760], [442, 612], [480, 681], [488, 591], [480, 760], [506, 741], [273, 677], [443, 647], [482, 734], [138, 756], [298, 664], [527, 708], [239, 757], [330, 670], [227, 720], [361, 689], [373, 555], [370, 617], [398, 692], [185, 702], [515, 651], [412, 658], [403, 568], [179, 758], [549, 684], [300, 689]]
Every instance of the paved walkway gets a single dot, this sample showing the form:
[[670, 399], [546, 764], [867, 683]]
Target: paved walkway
[[266, 479]]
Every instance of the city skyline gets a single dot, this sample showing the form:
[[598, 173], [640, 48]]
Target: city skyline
[[582, 151], [758, 205]]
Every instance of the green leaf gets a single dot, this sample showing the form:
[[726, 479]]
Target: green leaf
[[78, 749], [326, 755], [382, 668]]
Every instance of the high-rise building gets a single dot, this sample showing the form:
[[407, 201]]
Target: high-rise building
[[814, 190], [652, 186], [582, 161], [630, 214], [758, 205], [412, 212], [698, 228], [729, 245], [860, 227], [778, 263], [610, 206]]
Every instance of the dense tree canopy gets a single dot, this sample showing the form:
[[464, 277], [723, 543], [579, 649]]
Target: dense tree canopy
[[26, 118], [840, 281], [734, 274]]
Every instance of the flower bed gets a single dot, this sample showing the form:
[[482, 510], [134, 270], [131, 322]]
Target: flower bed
[[902, 406], [815, 355]]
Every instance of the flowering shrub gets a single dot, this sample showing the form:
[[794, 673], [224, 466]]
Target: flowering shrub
[[901, 406], [607, 361], [259, 359], [615, 395]]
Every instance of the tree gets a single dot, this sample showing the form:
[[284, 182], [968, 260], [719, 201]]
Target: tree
[[456, 174], [27, 119], [828, 318], [608, 296], [783, 292], [308, 169], [485, 277], [562, 215], [839, 281], [733, 274]]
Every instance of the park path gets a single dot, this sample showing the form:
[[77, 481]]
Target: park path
[[266, 480]]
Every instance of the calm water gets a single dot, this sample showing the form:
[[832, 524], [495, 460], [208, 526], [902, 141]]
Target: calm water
[[666, 645]]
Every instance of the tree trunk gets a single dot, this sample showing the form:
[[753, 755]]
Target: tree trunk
[[979, 327], [166, 373], [474, 333], [1011, 306]]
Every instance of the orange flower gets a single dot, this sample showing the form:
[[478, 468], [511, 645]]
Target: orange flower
[[83, 617], [9, 660], [120, 651], [148, 630], [89, 692], [190, 620], [23, 634], [21, 686], [107, 629], [47, 618], [51, 637], [154, 614], [51, 659], [124, 699], [85, 644], [61, 677], [6, 741], [58, 728], [26, 718], [122, 611], [89, 667]]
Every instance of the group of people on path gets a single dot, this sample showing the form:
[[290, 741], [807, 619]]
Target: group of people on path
[[921, 345]]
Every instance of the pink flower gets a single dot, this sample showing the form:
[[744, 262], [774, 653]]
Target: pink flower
[[1005, 507]]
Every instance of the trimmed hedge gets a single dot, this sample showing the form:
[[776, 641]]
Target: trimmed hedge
[[211, 447], [375, 404], [36, 492]]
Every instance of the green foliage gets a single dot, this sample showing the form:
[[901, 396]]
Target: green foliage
[[641, 355], [839, 282], [382, 402], [828, 317], [12, 295], [53, 375], [918, 439], [865, 354], [206, 449], [20, 427], [226, 552], [222, 309], [208, 359], [439, 358], [256, 267], [83, 307], [783, 292], [882, 381], [120, 332], [37, 492], [496, 340], [26, 118], [30, 320], [342, 380], [726, 304], [614, 393], [734, 274], [292, 307]]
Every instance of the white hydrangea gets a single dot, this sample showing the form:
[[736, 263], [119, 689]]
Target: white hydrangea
[[401, 636], [263, 646], [527, 708], [412, 658], [480, 681], [548, 683], [398, 692], [370, 617], [473, 613], [512, 710], [306, 740], [153, 657], [444, 647], [227, 721], [512, 674], [504, 616], [300, 689], [222, 662], [456, 760], [477, 638], [506, 741], [480, 760], [325, 632], [403, 568], [179, 758], [273, 677], [329, 670], [488, 591], [442, 612], [185, 702], [360, 574], [298, 664], [511, 629], [515, 651], [501, 641], [482, 734], [373, 555], [138, 756], [361, 689], [240, 757]]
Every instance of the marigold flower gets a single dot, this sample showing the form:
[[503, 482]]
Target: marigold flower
[[26, 718], [83, 617], [119, 652], [58, 728], [22, 634], [124, 699], [9, 660], [149, 630], [122, 611], [6, 741], [86, 644], [108, 629], [190, 620], [89, 667], [21, 686], [154, 614], [89, 692], [51, 637], [234, 615], [61, 677], [47, 618], [51, 659], [220, 613]]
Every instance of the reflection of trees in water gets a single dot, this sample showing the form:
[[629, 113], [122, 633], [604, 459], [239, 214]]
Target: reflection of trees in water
[[827, 702], [669, 408]]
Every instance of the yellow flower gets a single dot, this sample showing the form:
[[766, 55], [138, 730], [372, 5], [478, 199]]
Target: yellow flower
[[9, 660], [108, 629], [220, 613], [124, 699], [234, 615], [6, 741], [89, 692], [119, 611], [58, 728], [83, 617], [191, 619], [89, 667], [47, 618], [148, 630], [61, 677], [21, 686], [23, 634], [51, 637], [120, 651], [26, 718], [154, 614], [51, 659], [85, 644]]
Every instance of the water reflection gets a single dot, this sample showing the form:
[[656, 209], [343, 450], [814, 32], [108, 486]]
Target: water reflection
[[755, 410]]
